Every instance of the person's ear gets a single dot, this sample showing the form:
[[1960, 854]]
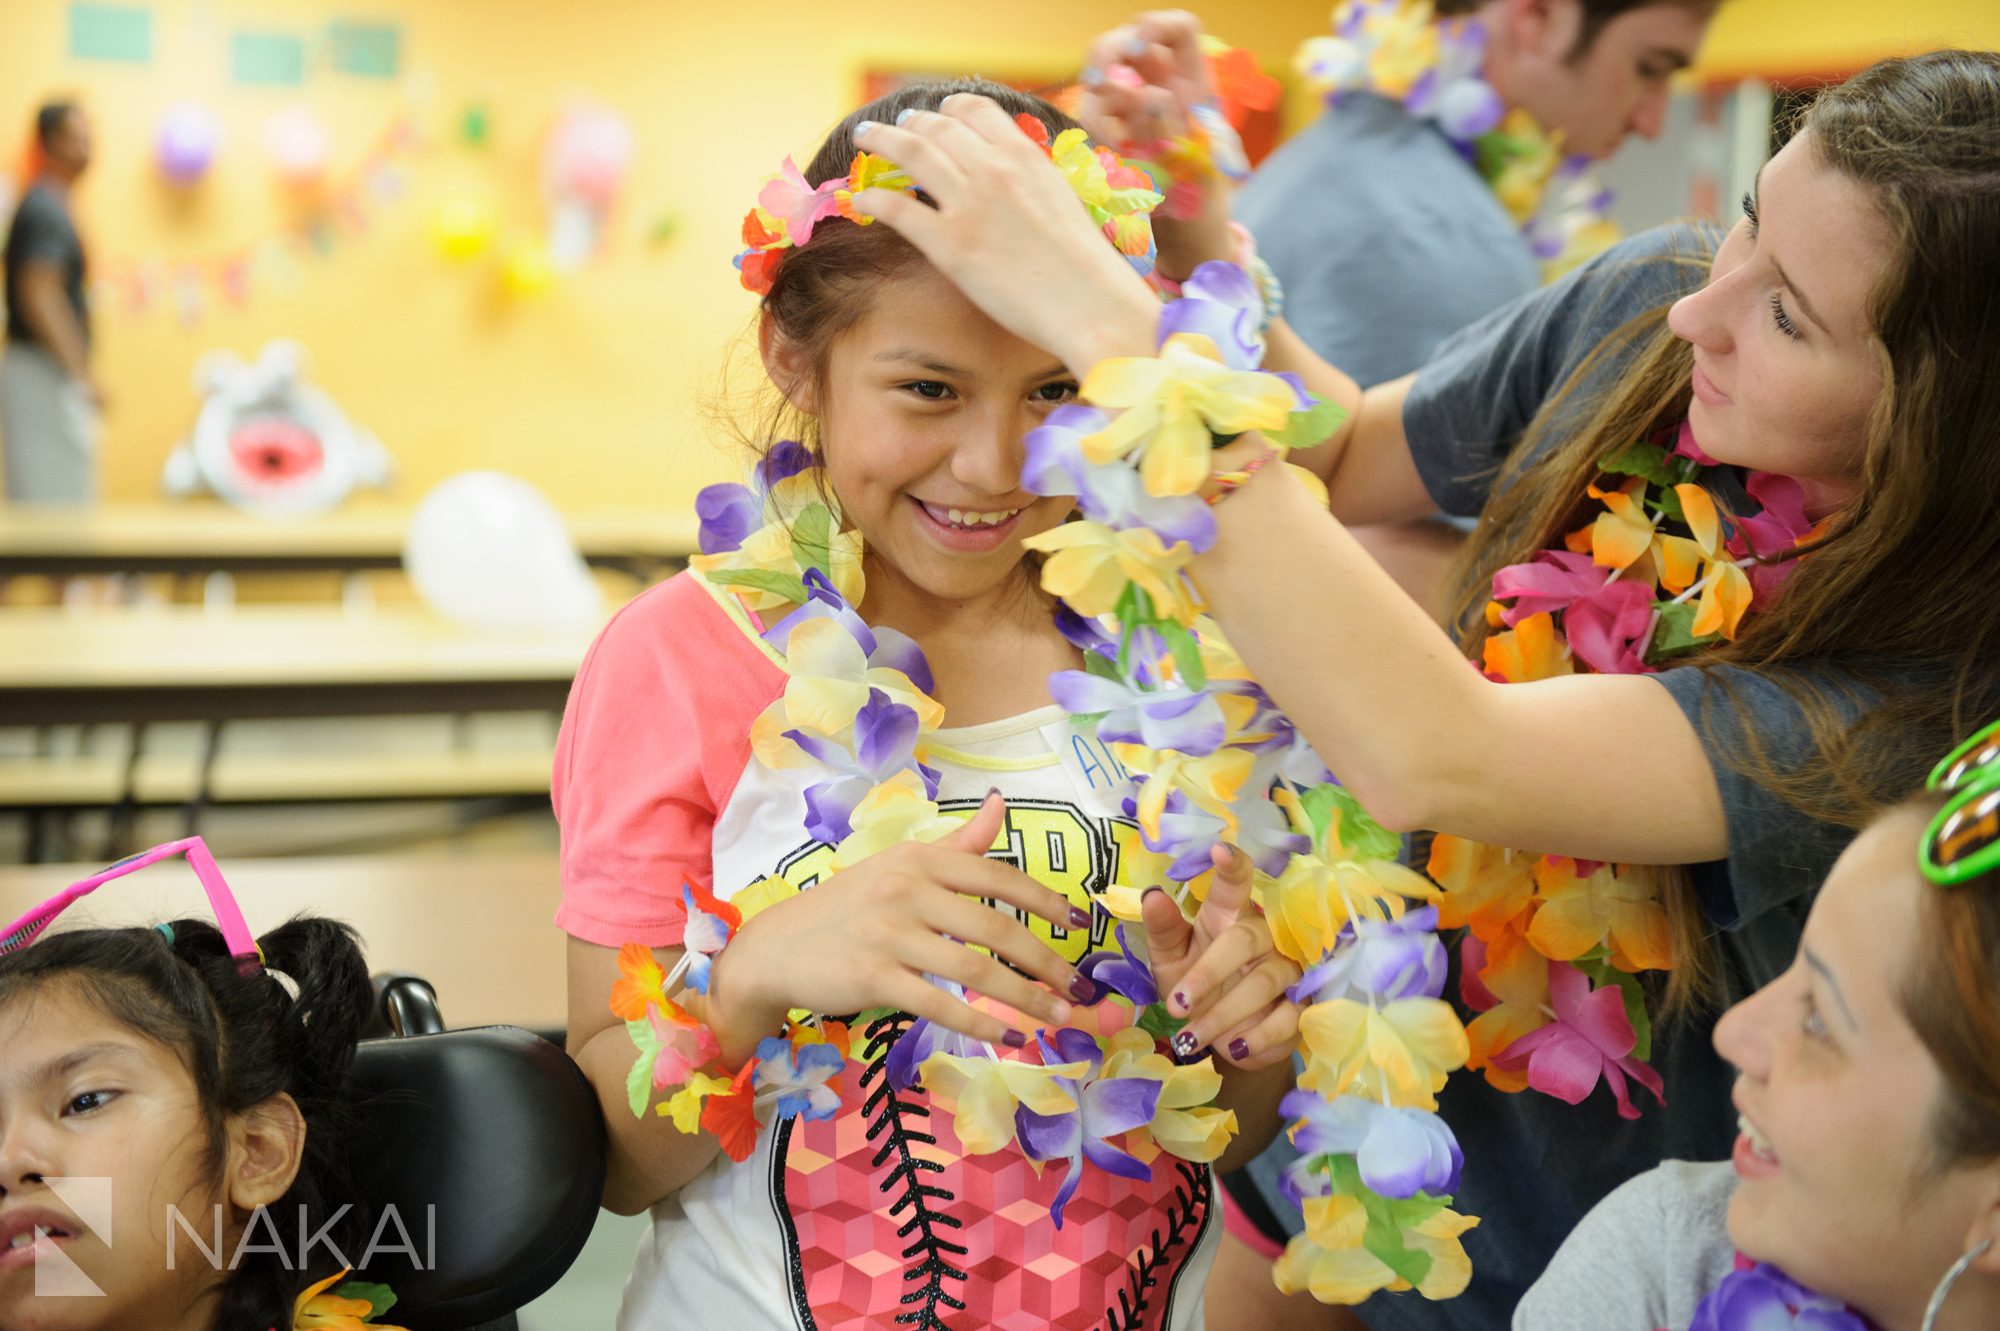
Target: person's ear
[[1985, 1229], [1542, 31], [267, 1143], [785, 362]]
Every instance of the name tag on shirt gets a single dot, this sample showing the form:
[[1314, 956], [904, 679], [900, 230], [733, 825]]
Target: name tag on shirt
[[1102, 783]]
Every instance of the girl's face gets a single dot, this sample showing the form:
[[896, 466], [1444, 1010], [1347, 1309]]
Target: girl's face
[[113, 1119], [1786, 362], [925, 407], [1837, 1094]]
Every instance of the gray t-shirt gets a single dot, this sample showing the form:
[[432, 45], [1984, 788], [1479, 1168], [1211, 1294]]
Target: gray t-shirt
[[1385, 237], [42, 232], [1644, 1258], [1535, 1166]]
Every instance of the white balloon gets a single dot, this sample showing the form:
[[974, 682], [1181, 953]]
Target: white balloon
[[489, 551]]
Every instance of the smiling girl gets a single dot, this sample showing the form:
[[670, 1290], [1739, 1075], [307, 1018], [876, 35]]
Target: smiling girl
[[1732, 582], [874, 1203], [1867, 1171]]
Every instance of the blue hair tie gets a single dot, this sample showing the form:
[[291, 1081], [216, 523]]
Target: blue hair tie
[[166, 932]]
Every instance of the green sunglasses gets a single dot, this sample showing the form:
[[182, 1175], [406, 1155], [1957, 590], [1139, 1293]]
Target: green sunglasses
[[1963, 841]]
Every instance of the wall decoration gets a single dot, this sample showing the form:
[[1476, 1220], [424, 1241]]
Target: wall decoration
[[584, 162], [298, 144], [111, 32], [268, 441], [267, 59], [365, 50], [186, 143]]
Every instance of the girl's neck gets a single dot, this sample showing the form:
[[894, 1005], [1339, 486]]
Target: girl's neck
[[893, 601]]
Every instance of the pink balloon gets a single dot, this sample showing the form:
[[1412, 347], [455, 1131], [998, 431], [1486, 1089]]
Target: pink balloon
[[589, 153]]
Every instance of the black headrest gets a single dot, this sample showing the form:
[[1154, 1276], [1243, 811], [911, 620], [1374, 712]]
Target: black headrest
[[490, 1148]]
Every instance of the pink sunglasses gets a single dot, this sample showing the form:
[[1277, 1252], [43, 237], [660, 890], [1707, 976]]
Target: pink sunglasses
[[227, 914]]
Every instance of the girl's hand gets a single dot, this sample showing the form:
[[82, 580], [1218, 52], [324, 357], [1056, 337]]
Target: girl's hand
[[867, 936], [1222, 971], [1009, 232], [1142, 80]]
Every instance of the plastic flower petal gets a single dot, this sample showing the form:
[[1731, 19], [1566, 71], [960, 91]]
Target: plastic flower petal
[[1171, 403], [1528, 651], [1120, 973], [1551, 581], [984, 1093], [1089, 565], [707, 924], [799, 1075], [1385, 959], [1220, 302], [685, 1105], [1332, 1260], [641, 983], [800, 206], [1725, 596], [731, 1116], [1407, 1046], [1590, 1039], [1186, 1122], [1613, 906], [320, 1307], [1606, 626], [1485, 887], [1507, 983], [896, 811], [1401, 1152], [1623, 532]]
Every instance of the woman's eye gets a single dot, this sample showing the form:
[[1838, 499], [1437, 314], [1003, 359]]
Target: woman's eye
[[1782, 319], [1811, 1022], [930, 390], [1750, 211], [1062, 391], [89, 1102]]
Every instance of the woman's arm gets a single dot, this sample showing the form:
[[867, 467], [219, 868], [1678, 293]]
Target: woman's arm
[[1596, 766]]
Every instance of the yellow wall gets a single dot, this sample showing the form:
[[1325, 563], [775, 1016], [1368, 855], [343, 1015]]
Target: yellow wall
[[1776, 39], [593, 390]]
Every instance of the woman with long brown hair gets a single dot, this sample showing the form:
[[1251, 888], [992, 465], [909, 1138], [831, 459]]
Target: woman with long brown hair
[[1732, 586]]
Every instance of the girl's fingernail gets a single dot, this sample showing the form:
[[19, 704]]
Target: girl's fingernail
[[1181, 1000], [1082, 988], [861, 127], [1239, 1049], [991, 791], [1079, 918], [1185, 1046], [905, 114], [1149, 892], [1091, 76], [1135, 45], [1016, 1040]]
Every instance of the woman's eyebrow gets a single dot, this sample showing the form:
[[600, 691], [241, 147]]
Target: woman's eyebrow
[[1820, 969]]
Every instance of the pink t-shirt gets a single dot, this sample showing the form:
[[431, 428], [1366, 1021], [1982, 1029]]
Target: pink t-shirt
[[875, 1217]]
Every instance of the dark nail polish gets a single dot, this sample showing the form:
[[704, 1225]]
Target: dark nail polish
[[991, 791], [1018, 1040], [1184, 1046], [1079, 918], [1239, 1049], [1082, 988], [1181, 1000], [1149, 892]]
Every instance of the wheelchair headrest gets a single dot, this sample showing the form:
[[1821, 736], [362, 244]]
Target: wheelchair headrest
[[485, 1150]]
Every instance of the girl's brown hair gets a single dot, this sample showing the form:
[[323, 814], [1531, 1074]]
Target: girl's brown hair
[[824, 287], [1951, 995], [1904, 588]]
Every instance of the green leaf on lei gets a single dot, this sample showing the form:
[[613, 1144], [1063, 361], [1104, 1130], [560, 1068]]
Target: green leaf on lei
[[1675, 632], [639, 1081], [1654, 463], [1388, 1219], [1360, 833], [1313, 425], [380, 1298], [786, 585], [1096, 663], [1187, 654], [812, 536], [1158, 1023]]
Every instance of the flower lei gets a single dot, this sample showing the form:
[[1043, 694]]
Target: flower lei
[[1214, 759], [1554, 945], [1398, 49], [1757, 1295]]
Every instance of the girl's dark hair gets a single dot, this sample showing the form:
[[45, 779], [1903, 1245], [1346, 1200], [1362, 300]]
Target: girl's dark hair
[[1951, 996], [1901, 589], [243, 1039], [824, 287]]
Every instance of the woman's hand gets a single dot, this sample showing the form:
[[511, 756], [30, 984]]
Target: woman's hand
[[1141, 83], [867, 936], [1222, 971], [1010, 233]]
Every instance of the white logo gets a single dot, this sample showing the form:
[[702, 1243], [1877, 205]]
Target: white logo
[[56, 1274]]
